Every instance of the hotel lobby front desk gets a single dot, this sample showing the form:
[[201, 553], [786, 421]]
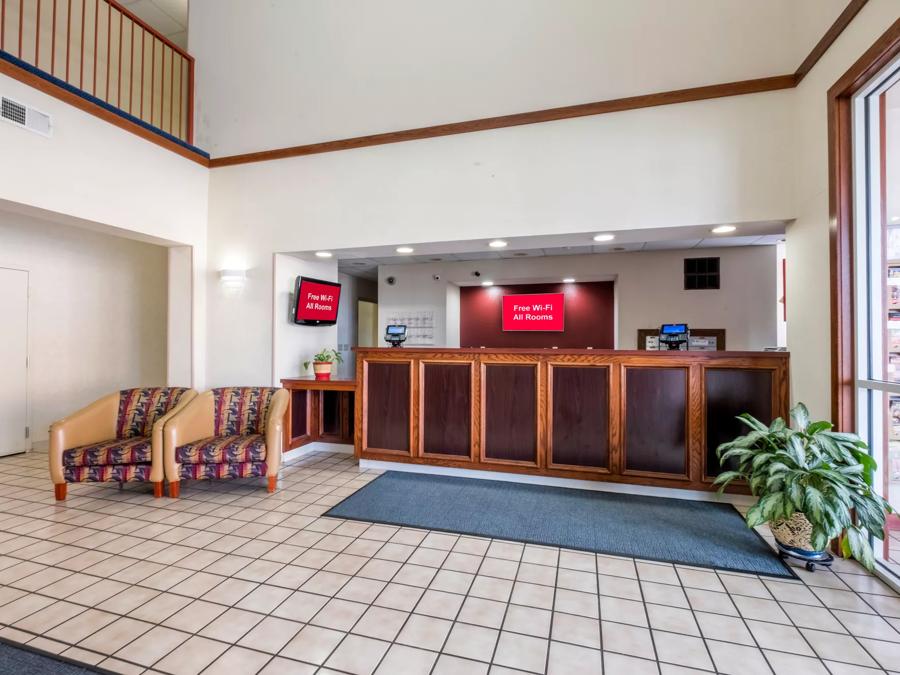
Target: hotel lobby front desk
[[646, 418]]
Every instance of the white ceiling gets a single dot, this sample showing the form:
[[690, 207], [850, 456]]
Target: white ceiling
[[364, 262], [169, 17]]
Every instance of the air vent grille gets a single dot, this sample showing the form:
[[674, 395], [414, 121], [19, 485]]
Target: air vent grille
[[26, 117], [14, 112], [701, 274]]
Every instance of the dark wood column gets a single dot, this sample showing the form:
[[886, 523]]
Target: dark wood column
[[730, 392], [387, 408], [579, 416], [656, 433], [510, 412], [445, 408]]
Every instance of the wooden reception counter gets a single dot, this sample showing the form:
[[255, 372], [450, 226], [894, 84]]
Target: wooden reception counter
[[649, 418]]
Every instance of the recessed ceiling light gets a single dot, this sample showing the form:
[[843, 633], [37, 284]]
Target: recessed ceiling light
[[895, 219], [323, 254], [604, 237], [487, 283], [723, 229], [404, 249], [568, 280], [497, 243]]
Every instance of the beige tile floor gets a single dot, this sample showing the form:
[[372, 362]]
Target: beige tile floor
[[229, 579]]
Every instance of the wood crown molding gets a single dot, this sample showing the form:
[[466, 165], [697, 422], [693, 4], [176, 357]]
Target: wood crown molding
[[739, 88]]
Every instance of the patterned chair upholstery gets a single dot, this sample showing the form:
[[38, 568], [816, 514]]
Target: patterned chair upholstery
[[116, 438], [231, 432]]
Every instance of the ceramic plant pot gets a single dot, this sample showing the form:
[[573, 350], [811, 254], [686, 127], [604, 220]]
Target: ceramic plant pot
[[322, 369], [793, 538], [794, 532]]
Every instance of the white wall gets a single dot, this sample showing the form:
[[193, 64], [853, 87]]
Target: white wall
[[345, 68], [180, 315], [726, 160], [97, 313], [93, 170], [98, 176], [294, 344], [649, 290], [809, 316]]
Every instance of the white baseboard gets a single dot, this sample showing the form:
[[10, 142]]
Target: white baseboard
[[318, 446], [600, 486]]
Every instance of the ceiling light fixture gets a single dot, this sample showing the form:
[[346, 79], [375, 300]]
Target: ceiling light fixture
[[604, 237], [323, 254], [487, 283], [497, 243], [569, 280], [404, 249], [895, 219], [723, 229]]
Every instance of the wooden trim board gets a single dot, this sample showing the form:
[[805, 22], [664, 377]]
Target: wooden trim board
[[738, 88]]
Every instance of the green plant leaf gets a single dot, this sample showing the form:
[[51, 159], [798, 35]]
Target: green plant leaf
[[752, 422], [859, 547], [815, 504], [817, 427], [754, 516], [800, 415]]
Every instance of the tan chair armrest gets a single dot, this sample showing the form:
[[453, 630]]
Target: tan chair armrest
[[190, 423], [157, 470], [92, 424], [275, 431]]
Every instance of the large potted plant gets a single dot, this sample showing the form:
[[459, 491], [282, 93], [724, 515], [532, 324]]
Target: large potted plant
[[813, 485], [322, 363]]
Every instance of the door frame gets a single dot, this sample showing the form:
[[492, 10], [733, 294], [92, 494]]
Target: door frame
[[841, 209], [29, 440]]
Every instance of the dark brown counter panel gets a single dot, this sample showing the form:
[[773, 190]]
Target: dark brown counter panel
[[647, 418]]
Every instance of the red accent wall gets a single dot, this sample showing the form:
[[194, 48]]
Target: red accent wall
[[589, 316]]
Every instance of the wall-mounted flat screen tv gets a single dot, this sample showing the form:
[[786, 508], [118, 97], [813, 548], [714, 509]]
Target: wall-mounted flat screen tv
[[316, 302]]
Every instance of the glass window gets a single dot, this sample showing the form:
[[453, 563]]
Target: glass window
[[876, 112]]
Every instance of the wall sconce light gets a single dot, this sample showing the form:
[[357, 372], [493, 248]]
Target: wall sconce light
[[232, 277]]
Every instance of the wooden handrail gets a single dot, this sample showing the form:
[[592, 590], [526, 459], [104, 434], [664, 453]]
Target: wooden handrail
[[149, 29]]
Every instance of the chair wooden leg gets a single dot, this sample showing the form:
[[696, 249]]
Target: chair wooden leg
[[59, 490], [175, 489], [273, 483], [157, 488]]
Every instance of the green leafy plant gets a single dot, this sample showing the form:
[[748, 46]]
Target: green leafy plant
[[823, 474], [325, 356]]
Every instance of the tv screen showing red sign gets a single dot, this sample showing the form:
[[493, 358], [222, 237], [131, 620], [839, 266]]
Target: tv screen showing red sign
[[535, 312], [316, 301]]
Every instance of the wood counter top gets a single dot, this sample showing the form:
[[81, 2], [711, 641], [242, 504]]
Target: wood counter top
[[410, 351]]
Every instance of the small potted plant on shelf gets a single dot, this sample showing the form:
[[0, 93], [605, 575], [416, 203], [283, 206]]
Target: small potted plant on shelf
[[813, 484], [322, 363]]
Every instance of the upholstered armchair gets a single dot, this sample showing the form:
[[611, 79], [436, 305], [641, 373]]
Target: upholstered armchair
[[232, 432], [116, 438]]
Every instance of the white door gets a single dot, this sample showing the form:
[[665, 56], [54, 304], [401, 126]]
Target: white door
[[13, 361], [367, 330]]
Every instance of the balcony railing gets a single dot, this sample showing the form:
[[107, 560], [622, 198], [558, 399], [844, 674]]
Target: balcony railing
[[106, 52]]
